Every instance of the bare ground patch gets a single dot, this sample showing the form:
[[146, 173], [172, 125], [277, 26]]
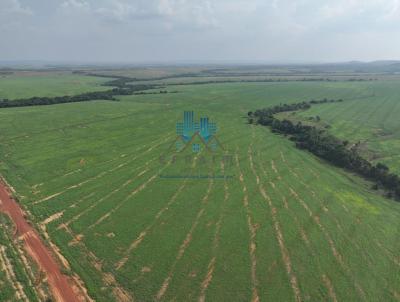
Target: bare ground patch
[[329, 286], [118, 291]]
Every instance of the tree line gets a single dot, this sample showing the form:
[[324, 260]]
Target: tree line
[[326, 146], [278, 80]]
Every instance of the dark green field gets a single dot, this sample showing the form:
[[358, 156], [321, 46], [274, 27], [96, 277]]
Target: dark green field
[[286, 227]]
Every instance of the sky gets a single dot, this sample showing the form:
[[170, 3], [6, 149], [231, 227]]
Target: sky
[[173, 31]]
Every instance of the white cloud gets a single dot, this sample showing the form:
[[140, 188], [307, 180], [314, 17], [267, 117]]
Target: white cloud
[[75, 5], [393, 12], [13, 7], [200, 13], [125, 11], [201, 29], [13, 15], [175, 13]]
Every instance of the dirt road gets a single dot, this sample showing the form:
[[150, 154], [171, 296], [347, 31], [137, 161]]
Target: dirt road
[[58, 283]]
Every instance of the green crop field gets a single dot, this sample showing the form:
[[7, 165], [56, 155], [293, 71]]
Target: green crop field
[[373, 121], [21, 85], [285, 226]]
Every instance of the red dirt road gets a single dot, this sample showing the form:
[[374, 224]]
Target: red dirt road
[[58, 283]]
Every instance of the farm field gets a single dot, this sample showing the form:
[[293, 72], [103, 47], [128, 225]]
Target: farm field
[[373, 121], [149, 72], [47, 84], [285, 227]]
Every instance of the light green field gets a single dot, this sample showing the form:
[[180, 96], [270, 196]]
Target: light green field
[[47, 84], [374, 121], [286, 227]]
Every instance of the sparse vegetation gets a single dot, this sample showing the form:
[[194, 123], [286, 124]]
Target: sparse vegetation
[[15, 281]]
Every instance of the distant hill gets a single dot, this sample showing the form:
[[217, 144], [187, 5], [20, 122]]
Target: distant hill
[[389, 66]]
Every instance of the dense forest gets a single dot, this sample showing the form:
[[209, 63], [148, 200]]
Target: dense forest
[[324, 145]]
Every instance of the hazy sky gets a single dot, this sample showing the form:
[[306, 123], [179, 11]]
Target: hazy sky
[[199, 30]]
